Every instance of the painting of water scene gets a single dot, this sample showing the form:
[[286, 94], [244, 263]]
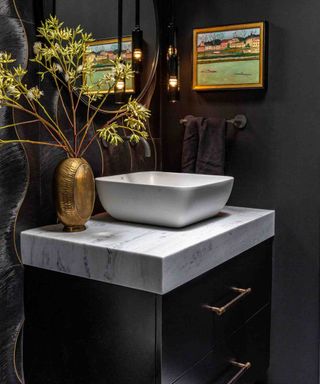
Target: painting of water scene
[[229, 57], [100, 52]]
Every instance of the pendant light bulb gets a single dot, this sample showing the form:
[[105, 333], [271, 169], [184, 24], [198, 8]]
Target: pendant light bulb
[[171, 50], [119, 91], [137, 54], [173, 77], [120, 85], [173, 81]]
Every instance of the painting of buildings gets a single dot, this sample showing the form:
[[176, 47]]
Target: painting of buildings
[[229, 57], [100, 53]]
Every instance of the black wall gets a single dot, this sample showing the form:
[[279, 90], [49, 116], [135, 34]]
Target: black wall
[[275, 160]]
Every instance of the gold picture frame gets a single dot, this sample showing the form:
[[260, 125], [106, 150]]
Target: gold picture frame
[[102, 51], [229, 57]]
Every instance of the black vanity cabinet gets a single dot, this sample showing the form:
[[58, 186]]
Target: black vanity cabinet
[[215, 319], [211, 330]]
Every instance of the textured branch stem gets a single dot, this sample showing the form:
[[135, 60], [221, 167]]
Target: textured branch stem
[[45, 123], [32, 142], [62, 101], [20, 123], [89, 122]]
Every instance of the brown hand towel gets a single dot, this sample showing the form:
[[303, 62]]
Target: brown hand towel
[[190, 143], [204, 145], [211, 149]]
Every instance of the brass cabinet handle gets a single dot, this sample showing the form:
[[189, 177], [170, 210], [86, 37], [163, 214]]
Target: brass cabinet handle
[[243, 368], [221, 310]]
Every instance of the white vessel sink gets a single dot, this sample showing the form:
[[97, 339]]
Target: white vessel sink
[[163, 198]]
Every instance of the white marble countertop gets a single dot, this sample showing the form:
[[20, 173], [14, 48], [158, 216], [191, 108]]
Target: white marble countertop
[[153, 259]]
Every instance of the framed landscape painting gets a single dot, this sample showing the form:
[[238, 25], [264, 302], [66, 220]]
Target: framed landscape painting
[[100, 52], [229, 57]]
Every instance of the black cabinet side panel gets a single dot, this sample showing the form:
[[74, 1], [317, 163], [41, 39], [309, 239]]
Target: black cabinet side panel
[[80, 331]]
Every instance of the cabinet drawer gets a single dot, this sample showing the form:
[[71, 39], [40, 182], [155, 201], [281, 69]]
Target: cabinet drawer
[[190, 330], [242, 358]]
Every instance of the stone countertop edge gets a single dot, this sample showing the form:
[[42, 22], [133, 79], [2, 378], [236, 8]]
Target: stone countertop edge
[[51, 249]]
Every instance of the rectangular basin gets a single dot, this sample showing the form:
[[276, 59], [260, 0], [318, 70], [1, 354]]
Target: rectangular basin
[[164, 198]]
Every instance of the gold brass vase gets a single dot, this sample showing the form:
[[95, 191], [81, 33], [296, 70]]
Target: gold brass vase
[[74, 190]]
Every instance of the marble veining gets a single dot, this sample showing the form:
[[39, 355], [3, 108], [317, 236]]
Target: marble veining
[[149, 258]]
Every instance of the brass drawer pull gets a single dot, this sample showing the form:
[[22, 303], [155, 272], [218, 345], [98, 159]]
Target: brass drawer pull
[[243, 368], [221, 310]]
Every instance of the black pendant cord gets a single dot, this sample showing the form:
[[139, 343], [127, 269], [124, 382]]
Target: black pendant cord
[[172, 12], [120, 7], [173, 18], [120, 84], [137, 43], [137, 13], [171, 26], [43, 11], [172, 58]]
